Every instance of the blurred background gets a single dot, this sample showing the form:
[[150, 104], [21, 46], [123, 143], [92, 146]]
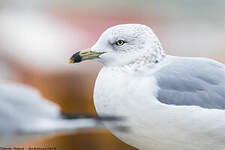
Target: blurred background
[[38, 36]]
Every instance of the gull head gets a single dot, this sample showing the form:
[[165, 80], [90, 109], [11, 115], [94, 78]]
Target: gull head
[[122, 45]]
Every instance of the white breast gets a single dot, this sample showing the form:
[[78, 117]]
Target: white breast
[[154, 125]]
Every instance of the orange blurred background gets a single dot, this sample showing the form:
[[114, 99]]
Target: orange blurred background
[[38, 37]]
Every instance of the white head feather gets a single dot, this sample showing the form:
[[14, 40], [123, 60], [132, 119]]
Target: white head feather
[[141, 46]]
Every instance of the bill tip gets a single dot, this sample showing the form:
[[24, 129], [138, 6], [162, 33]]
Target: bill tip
[[70, 61]]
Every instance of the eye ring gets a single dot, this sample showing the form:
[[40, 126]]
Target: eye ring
[[120, 42]]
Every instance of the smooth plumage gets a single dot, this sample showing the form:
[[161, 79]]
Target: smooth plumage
[[192, 81]]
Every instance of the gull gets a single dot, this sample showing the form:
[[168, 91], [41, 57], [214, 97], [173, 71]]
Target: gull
[[25, 115], [170, 102]]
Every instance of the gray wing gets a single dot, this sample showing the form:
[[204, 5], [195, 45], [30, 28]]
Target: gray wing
[[192, 82]]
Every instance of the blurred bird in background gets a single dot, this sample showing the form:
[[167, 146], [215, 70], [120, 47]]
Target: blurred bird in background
[[25, 115]]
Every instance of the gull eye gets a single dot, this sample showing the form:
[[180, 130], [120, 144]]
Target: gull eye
[[120, 42]]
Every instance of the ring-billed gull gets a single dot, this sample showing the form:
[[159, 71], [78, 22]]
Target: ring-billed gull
[[25, 115], [170, 102]]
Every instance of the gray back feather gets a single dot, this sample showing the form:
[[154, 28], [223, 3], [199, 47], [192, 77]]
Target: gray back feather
[[192, 82]]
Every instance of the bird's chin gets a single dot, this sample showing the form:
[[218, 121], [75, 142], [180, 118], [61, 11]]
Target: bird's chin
[[105, 59], [100, 60], [112, 60]]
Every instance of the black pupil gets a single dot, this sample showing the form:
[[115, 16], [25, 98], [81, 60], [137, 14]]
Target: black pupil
[[120, 42]]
